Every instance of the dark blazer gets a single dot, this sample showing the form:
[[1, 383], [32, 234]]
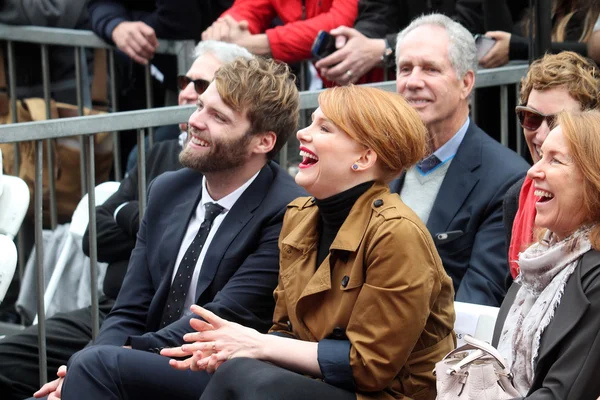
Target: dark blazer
[[239, 272], [469, 204], [116, 238], [569, 354]]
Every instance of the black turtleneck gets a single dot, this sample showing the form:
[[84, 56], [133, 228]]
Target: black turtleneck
[[333, 211]]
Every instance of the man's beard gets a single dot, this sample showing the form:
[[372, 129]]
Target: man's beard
[[223, 155]]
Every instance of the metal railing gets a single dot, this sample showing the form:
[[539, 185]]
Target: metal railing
[[80, 40], [145, 119]]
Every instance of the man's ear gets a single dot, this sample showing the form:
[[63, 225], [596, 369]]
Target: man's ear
[[265, 142], [367, 160], [468, 82]]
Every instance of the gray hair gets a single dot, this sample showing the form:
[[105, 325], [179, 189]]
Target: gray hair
[[461, 49], [224, 52]]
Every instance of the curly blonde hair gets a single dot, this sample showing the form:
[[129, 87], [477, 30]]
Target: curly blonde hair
[[579, 75]]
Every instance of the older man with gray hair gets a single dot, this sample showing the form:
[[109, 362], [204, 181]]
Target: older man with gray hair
[[458, 190]]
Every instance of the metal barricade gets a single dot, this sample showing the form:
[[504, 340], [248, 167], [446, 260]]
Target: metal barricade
[[145, 119], [79, 40]]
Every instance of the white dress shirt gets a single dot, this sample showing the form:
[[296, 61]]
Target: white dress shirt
[[227, 203]]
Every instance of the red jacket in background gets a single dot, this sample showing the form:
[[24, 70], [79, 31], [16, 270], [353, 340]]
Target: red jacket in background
[[292, 41]]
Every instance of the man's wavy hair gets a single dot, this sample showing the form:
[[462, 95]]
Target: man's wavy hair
[[266, 91], [579, 75]]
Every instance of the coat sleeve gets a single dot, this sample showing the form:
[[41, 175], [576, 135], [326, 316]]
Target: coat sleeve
[[247, 298], [292, 42], [129, 314], [258, 13], [484, 280], [400, 287], [171, 19], [114, 242]]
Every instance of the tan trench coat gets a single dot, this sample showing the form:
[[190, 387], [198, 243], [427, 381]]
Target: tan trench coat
[[382, 283]]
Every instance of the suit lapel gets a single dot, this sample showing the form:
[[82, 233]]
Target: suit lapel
[[235, 220], [458, 183]]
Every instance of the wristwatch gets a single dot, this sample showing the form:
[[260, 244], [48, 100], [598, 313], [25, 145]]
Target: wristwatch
[[387, 58]]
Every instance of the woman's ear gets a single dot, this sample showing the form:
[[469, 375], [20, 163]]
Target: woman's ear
[[366, 161]]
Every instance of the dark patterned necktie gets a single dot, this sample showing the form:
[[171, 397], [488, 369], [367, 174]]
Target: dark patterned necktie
[[429, 163], [181, 284]]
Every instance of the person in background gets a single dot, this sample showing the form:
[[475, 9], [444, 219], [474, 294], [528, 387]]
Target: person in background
[[550, 337], [458, 190], [575, 27], [248, 24], [134, 27], [356, 264], [117, 224], [564, 81], [371, 43]]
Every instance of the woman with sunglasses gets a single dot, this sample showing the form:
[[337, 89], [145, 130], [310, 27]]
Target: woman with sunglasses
[[557, 82]]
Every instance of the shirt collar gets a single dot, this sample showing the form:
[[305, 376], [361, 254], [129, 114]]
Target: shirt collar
[[228, 201], [449, 149]]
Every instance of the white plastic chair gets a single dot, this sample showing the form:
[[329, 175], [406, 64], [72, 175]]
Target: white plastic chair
[[14, 201], [476, 320], [79, 224]]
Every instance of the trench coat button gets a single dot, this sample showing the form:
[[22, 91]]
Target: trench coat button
[[345, 281], [338, 333], [289, 325], [378, 203], [288, 250]]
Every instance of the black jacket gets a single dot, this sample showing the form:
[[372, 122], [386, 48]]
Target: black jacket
[[170, 19], [116, 238], [569, 353], [507, 15]]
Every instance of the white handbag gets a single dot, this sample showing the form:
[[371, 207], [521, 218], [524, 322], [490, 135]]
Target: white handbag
[[474, 371]]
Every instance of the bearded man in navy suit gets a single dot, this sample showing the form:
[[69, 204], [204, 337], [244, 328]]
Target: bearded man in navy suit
[[458, 190], [242, 120]]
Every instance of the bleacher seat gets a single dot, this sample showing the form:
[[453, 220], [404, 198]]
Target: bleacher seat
[[475, 320], [14, 201]]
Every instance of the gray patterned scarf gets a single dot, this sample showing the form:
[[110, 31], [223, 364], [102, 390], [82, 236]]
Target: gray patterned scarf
[[545, 268]]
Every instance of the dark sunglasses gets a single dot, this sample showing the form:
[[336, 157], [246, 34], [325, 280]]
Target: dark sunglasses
[[200, 85], [531, 119]]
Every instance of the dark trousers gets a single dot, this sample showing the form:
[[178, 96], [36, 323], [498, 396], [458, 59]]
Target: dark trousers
[[66, 333], [250, 379], [112, 372]]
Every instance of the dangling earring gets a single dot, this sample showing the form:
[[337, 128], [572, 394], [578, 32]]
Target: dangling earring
[[355, 166]]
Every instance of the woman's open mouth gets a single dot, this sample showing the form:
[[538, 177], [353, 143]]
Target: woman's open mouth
[[308, 159]]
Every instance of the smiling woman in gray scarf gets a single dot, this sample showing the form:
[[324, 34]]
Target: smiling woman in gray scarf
[[551, 336]]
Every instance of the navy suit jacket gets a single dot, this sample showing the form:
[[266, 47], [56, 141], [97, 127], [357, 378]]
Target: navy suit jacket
[[239, 272], [469, 204]]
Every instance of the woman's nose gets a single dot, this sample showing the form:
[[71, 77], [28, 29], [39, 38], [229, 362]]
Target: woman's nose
[[303, 135], [536, 171]]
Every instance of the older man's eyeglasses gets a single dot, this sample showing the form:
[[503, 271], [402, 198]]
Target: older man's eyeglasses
[[531, 119], [200, 85]]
